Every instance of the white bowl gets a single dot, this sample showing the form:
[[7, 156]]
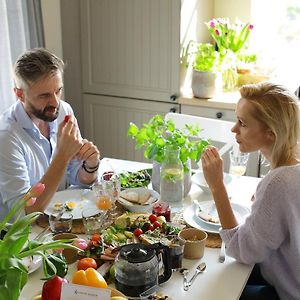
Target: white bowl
[[135, 207], [199, 179]]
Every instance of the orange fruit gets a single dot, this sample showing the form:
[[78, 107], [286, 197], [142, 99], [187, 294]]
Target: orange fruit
[[104, 203]]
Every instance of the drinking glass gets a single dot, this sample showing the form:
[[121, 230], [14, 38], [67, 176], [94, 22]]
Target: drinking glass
[[60, 224], [93, 220], [238, 163]]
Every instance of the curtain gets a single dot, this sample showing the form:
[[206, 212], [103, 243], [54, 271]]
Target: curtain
[[21, 28]]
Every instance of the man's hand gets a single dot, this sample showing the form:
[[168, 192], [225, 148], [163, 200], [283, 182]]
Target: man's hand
[[69, 141], [89, 153]]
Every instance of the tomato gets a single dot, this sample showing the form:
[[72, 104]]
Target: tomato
[[152, 218], [67, 118], [156, 224], [138, 231], [86, 263], [96, 237], [150, 227]]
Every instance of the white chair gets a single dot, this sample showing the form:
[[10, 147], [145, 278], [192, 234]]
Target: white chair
[[218, 131]]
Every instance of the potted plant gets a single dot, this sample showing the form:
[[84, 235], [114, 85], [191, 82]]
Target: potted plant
[[206, 78], [158, 133], [16, 245]]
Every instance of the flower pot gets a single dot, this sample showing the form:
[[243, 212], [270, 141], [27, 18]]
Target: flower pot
[[206, 84], [155, 178]]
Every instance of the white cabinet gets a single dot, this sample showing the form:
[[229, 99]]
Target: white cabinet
[[131, 48], [107, 119]]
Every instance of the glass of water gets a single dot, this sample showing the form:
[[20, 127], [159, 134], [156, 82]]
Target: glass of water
[[238, 163]]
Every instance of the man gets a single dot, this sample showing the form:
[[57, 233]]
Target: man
[[39, 136]]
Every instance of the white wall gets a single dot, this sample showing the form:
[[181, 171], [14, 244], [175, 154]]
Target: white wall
[[52, 26]]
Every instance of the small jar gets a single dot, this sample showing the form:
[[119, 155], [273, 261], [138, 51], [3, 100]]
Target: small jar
[[162, 209]]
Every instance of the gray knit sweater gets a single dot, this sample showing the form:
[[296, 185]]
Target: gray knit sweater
[[271, 233]]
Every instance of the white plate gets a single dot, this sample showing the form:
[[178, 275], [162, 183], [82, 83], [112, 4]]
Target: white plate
[[83, 198], [190, 216], [199, 179], [33, 263], [138, 207]]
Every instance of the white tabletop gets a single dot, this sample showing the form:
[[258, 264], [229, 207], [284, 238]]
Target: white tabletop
[[220, 280]]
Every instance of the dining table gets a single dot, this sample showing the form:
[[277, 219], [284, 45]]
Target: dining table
[[220, 280]]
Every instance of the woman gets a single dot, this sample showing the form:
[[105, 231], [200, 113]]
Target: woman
[[268, 121]]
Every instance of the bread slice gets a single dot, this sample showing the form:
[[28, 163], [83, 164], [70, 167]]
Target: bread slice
[[130, 196], [143, 198]]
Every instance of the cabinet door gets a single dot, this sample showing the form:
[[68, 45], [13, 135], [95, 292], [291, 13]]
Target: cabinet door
[[228, 115], [131, 48], [107, 120]]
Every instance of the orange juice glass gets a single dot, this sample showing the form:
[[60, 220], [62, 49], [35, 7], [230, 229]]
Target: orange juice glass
[[104, 202]]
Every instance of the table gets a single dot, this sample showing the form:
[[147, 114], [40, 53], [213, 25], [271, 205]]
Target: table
[[220, 280]]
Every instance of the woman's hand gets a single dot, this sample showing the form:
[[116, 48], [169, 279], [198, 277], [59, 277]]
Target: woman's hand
[[212, 165]]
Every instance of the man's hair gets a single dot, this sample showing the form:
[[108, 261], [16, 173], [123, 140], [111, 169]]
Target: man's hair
[[35, 64], [276, 108]]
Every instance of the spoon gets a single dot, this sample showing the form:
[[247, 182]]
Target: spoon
[[199, 270], [184, 272]]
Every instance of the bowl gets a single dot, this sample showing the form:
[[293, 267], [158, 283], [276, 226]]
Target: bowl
[[199, 179], [138, 199]]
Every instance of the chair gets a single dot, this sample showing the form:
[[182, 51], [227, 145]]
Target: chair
[[218, 131]]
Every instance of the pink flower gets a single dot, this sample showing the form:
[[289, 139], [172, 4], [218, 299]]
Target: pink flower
[[31, 201], [217, 32], [250, 26], [212, 24], [37, 189]]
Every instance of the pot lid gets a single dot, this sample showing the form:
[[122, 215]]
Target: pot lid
[[136, 253]]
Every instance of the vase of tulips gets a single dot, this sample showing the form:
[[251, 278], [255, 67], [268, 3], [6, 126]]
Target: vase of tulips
[[231, 40]]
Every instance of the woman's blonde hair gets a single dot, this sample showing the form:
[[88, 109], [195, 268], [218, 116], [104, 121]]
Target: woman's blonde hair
[[276, 108]]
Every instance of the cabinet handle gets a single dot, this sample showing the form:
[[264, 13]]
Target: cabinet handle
[[219, 115], [173, 97], [172, 109]]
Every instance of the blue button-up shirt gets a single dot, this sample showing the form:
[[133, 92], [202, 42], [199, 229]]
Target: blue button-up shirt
[[25, 154]]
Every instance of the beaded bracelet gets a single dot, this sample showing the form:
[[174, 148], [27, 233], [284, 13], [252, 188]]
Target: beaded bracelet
[[89, 169]]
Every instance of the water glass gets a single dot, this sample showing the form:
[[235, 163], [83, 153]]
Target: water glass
[[93, 220], [60, 224], [238, 162]]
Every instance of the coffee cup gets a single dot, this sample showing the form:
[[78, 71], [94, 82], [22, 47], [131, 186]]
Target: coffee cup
[[194, 242]]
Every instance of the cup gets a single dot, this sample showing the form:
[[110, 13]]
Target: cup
[[103, 195], [238, 163], [176, 254], [60, 224], [194, 242], [93, 220], [70, 254]]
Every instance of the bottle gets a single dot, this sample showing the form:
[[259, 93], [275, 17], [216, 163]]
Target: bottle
[[171, 176]]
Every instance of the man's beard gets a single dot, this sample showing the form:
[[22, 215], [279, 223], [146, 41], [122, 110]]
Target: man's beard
[[42, 115]]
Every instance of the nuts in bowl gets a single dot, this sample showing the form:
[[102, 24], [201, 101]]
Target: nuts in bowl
[[138, 199]]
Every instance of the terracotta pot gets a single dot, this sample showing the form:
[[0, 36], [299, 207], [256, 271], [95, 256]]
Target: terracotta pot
[[155, 178]]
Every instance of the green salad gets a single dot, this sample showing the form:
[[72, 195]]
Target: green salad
[[134, 179]]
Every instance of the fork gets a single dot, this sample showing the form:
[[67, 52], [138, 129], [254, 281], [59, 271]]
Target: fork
[[222, 253]]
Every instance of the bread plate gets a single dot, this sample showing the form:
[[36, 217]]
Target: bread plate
[[138, 199]]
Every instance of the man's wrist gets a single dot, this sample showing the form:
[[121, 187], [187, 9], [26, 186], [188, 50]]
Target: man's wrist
[[90, 169]]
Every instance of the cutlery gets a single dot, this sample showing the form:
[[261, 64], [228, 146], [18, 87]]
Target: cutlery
[[184, 272], [222, 253], [199, 270]]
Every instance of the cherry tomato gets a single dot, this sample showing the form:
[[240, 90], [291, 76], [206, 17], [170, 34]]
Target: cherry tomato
[[150, 227], [96, 237], [85, 263], [67, 118], [138, 231], [156, 224], [152, 218]]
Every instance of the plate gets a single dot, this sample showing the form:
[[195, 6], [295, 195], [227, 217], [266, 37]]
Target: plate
[[199, 179], [139, 207], [33, 263], [209, 208], [190, 216], [83, 198]]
